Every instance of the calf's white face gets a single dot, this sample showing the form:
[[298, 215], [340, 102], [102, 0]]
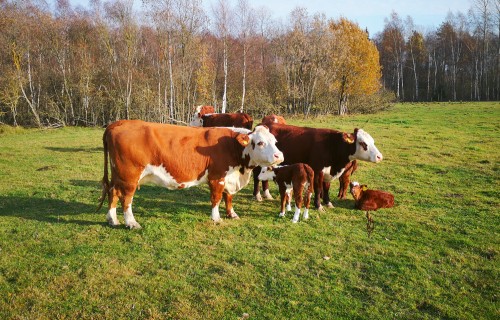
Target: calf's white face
[[266, 174], [365, 148], [262, 148], [196, 121]]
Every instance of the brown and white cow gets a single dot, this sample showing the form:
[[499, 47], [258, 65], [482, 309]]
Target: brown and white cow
[[273, 119], [344, 179], [178, 157], [238, 120], [327, 151], [296, 177]]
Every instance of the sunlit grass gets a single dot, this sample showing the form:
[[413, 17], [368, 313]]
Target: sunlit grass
[[434, 255]]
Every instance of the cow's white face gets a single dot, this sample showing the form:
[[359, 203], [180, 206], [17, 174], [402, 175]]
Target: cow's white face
[[266, 174], [262, 149], [365, 148], [196, 121]]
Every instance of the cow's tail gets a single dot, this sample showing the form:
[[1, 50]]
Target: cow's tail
[[105, 179]]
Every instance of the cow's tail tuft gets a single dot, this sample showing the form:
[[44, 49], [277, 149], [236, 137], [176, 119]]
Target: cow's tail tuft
[[105, 179]]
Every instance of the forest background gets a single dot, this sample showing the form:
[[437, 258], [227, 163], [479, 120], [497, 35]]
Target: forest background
[[91, 66]]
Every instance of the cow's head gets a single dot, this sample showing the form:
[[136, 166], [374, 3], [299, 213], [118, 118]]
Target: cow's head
[[260, 147], [365, 146], [196, 121], [267, 173]]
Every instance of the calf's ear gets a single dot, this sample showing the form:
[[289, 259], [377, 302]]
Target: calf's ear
[[348, 137], [243, 139]]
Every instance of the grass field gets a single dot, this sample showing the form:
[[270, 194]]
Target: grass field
[[435, 255]]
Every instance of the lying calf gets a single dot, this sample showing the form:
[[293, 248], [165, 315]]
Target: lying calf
[[370, 200], [296, 177]]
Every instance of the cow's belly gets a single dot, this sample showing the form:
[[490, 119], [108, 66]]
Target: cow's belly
[[327, 175], [159, 176], [234, 180]]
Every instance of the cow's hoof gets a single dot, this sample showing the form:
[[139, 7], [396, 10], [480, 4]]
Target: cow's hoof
[[113, 223], [258, 197], [329, 205], [282, 214], [268, 195], [233, 216], [133, 225], [295, 221], [321, 208]]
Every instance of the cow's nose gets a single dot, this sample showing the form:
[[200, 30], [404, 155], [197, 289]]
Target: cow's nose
[[278, 155], [379, 157]]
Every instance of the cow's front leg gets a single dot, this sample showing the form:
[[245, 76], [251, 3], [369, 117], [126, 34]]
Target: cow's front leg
[[216, 189], [228, 199], [318, 189], [256, 183], [326, 195]]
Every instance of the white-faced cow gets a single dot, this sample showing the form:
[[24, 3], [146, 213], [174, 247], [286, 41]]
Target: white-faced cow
[[328, 152], [179, 157], [238, 120]]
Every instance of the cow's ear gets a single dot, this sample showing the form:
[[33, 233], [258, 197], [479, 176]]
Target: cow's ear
[[243, 139], [364, 187], [348, 137]]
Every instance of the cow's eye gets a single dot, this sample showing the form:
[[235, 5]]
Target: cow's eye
[[260, 144]]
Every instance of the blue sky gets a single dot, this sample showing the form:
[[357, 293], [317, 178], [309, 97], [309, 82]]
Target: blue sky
[[427, 14]]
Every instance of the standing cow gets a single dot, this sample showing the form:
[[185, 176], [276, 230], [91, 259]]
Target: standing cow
[[238, 120], [179, 157], [327, 151]]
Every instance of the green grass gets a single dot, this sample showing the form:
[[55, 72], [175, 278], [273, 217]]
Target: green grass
[[435, 255]]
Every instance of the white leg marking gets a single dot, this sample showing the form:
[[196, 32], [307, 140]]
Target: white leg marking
[[258, 197], [296, 215], [306, 214], [288, 207], [268, 195], [215, 213], [111, 217], [129, 219], [233, 214], [282, 214], [329, 205]]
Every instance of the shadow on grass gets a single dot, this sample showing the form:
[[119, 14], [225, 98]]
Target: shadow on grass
[[81, 149], [46, 210]]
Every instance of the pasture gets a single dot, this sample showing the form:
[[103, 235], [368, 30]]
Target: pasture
[[435, 255]]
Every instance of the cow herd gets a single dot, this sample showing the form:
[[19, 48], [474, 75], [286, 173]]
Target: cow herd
[[223, 151]]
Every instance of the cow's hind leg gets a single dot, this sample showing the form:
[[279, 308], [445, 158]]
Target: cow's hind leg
[[283, 200], [127, 208], [228, 199], [307, 201], [113, 196], [297, 195]]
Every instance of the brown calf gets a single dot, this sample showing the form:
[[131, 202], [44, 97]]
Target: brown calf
[[296, 177], [370, 200]]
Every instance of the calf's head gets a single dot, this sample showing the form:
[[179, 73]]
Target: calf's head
[[356, 189], [196, 121], [365, 146], [260, 147], [267, 173]]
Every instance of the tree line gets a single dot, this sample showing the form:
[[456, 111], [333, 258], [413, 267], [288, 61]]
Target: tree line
[[460, 61], [91, 66]]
